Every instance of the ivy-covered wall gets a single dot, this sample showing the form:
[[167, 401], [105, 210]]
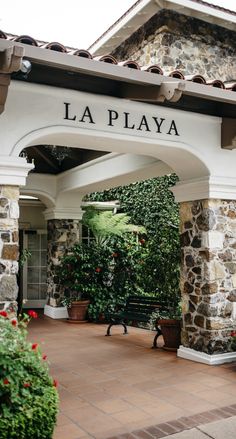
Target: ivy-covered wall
[[151, 203]]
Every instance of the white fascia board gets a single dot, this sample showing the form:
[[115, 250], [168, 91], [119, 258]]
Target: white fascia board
[[224, 19], [106, 70], [125, 27], [141, 13], [79, 64], [208, 92]]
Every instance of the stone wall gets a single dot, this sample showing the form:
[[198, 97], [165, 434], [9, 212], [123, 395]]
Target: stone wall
[[208, 278], [62, 235], [9, 214], [175, 41]]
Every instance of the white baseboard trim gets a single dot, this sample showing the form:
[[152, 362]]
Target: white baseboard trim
[[59, 312], [201, 357]]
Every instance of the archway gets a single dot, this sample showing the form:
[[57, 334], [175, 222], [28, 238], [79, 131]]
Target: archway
[[140, 140]]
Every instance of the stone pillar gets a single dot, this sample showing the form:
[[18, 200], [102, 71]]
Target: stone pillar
[[62, 235], [9, 250], [208, 276]]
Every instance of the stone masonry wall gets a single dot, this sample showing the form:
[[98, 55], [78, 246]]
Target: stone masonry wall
[[62, 235], [208, 277], [9, 250], [175, 41]]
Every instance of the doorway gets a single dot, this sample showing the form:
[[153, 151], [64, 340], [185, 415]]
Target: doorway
[[34, 271]]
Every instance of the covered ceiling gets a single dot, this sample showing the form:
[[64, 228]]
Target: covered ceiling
[[53, 159]]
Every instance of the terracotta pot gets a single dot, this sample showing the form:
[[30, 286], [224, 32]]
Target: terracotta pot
[[171, 331], [78, 311]]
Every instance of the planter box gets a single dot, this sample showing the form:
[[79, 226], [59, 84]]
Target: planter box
[[59, 312]]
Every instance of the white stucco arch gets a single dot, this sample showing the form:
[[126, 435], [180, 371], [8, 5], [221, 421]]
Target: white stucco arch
[[184, 142], [44, 197], [180, 157]]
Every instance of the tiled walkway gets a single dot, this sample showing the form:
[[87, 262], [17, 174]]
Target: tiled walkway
[[110, 386]]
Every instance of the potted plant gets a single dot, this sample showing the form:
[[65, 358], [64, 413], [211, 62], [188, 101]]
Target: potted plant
[[169, 320], [76, 276], [76, 307], [170, 323]]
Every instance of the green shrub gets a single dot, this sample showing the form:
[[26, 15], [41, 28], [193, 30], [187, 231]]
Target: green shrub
[[28, 397], [105, 275]]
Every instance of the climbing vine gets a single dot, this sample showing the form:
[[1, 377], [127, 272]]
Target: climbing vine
[[151, 203]]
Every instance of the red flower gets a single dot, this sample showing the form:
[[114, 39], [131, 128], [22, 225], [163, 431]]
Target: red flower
[[14, 322], [233, 334], [3, 313], [55, 383], [33, 314], [44, 357], [142, 241], [98, 269], [115, 255], [34, 346], [26, 385], [6, 381]]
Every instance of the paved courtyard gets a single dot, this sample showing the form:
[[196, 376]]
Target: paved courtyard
[[115, 386]]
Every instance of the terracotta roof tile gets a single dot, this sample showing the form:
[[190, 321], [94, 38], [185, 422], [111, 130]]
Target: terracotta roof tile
[[154, 69]]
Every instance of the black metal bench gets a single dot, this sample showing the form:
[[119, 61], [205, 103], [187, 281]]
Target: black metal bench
[[137, 309]]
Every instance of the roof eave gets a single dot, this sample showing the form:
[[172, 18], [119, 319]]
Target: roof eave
[[145, 9], [145, 81]]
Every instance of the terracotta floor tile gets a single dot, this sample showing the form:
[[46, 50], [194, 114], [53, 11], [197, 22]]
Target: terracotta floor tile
[[110, 386], [161, 408], [68, 431], [87, 413], [97, 396], [191, 387], [62, 420], [218, 398], [113, 405], [100, 424], [131, 415]]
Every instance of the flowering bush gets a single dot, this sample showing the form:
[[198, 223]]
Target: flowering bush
[[105, 275], [28, 397], [78, 272]]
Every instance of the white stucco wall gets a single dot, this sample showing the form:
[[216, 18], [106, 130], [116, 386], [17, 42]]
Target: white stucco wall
[[32, 215]]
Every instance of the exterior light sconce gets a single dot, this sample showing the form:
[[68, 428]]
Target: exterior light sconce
[[24, 70]]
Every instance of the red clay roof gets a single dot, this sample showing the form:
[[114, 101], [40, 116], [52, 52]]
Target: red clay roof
[[154, 69]]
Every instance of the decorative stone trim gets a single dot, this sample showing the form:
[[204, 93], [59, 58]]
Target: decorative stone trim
[[14, 170], [9, 251], [62, 213], [208, 274], [223, 188], [201, 357], [166, 429], [62, 235]]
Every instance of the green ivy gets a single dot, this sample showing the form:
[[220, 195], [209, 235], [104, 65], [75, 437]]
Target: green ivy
[[151, 203]]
